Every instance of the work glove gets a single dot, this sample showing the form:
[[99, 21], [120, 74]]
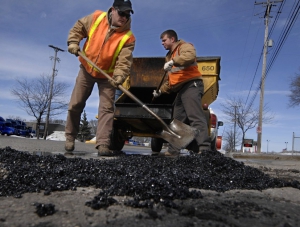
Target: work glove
[[73, 48], [156, 94], [117, 80], [168, 65]]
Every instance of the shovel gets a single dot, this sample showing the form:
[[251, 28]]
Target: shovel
[[177, 133], [162, 80]]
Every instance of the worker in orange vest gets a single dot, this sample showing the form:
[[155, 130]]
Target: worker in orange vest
[[109, 43], [185, 79]]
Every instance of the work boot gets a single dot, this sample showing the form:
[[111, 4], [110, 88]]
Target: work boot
[[103, 150], [69, 147], [155, 153], [169, 154]]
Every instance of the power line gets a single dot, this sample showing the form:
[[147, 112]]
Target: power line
[[285, 34], [294, 13], [265, 70], [261, 54], [268, 5]]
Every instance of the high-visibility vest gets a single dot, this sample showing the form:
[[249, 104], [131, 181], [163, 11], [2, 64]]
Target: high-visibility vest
[[180, 74], [103, 53]]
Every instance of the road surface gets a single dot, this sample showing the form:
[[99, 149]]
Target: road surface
[[235, 207]]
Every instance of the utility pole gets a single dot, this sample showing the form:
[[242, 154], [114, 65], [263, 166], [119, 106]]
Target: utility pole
[[234, 130], [268, 6], [294, 142], [56, 49]]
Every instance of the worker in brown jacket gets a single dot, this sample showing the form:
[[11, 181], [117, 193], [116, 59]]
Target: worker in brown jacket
[[185, 79], [109, 43]]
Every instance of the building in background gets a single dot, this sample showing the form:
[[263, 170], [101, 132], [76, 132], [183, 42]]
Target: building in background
[[51, 128]]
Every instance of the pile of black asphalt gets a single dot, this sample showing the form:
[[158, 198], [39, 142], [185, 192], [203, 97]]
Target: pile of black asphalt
[[145, 180]]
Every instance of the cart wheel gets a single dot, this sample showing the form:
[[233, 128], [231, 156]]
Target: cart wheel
[[193, 146], [116, 141], [156, 144]]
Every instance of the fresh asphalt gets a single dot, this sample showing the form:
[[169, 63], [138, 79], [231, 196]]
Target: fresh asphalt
[[87, 150]]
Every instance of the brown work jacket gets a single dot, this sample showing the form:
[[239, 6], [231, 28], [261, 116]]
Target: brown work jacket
[[102, 43], [184, 69]]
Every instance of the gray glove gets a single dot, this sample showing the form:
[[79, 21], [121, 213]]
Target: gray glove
[[117, 80], [156, 94], [168, 65], [73, 48]]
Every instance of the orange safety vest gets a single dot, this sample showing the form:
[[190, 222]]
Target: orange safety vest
[[180, 74], [103, 53]]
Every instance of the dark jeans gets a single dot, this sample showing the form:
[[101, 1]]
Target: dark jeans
[[188, 109]]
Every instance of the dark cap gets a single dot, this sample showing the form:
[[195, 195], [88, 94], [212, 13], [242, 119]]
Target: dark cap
[[123, 5]]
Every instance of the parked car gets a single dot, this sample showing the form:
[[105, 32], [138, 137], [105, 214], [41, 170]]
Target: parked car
[[2, 121], [21, 123], [16, 125], [1, 126], [13, 122], [22, 131], [8, 129], [31, 132]]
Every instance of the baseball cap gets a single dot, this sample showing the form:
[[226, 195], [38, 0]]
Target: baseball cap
[[123, 5]]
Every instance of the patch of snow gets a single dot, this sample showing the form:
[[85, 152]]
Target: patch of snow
[[57, 136]]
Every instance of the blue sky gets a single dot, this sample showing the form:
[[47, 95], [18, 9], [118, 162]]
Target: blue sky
[[232, 29]]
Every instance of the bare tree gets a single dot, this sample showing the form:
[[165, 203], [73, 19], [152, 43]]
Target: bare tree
[[243, 117], [33, 97], [294, 96], [93, 124], [229, 141], [16, 118]]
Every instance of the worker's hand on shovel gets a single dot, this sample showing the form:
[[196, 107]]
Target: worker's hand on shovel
[[117, 80], [156, 93], [73, 48], [168, 65]]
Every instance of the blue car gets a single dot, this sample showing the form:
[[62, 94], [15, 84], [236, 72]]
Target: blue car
[[8, 129], [21, 130], [13, 122], [1, 126], [31, 132]]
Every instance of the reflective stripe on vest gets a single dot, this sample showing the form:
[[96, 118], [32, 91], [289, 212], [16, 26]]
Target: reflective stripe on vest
[[182, 73], [177, 69], [95, 25], [118, 50]]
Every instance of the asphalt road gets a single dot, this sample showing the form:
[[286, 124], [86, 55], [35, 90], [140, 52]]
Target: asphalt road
[[87, 150], [84, 150]]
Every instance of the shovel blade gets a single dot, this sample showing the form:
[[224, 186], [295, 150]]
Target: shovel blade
[[180, 136]]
